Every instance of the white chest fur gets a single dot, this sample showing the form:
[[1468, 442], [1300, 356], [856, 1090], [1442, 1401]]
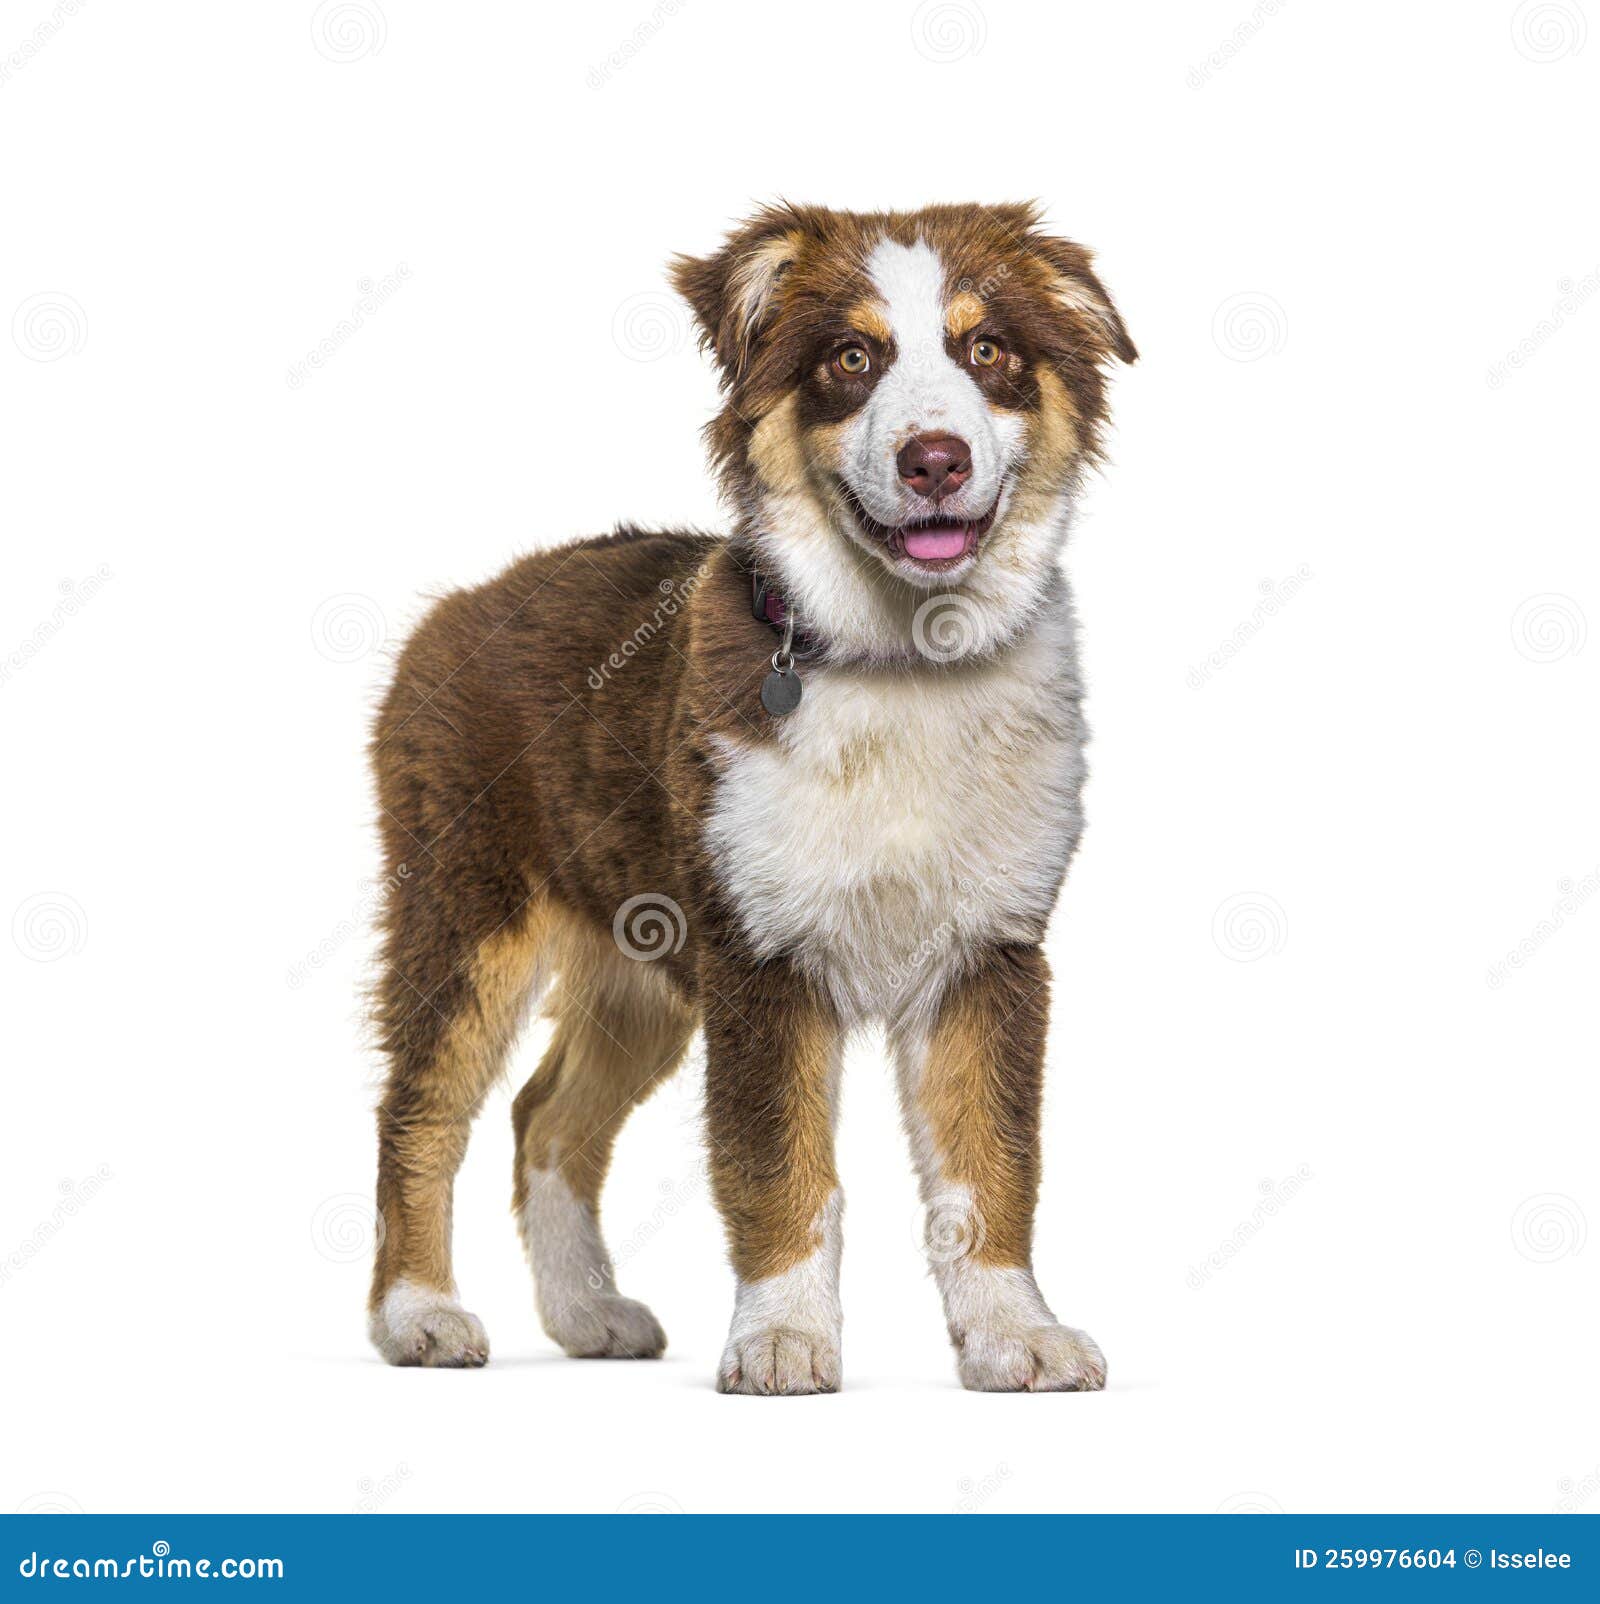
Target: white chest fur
[[901, 817]]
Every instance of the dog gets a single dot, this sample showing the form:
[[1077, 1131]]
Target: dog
[[824, 773]]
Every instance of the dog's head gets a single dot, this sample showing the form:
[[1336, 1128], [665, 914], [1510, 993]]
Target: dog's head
[[910, 396]]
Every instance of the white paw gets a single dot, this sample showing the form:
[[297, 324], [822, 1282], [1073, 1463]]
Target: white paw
[[418, 1326], [604, 1325], [1046, 1358], [780, 1361]]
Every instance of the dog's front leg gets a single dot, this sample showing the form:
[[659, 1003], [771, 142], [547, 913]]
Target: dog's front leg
[[970, 1089], [772, 1065]]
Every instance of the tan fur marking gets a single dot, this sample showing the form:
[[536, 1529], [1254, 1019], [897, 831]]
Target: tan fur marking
[[620, 1032], [427, 1141], [772, 1164], [870, 319], [979, 1096], [964, 314]]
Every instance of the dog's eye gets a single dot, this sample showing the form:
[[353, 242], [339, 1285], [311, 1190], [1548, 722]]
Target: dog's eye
[[985, 353], [853, 360]]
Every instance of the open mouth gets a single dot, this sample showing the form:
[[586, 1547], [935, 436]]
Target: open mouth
[[931, 544]]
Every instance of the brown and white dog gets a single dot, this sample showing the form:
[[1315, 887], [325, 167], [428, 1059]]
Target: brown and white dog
[[597, 789]]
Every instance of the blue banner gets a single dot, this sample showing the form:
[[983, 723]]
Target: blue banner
[[777, 1558]]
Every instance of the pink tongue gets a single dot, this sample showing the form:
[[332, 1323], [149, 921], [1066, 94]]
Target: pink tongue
[[934, 545]]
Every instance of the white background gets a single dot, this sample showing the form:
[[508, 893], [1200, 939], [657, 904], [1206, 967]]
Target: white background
[[1326, 226]]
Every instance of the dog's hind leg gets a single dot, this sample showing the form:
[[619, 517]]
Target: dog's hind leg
[[449, 1005], [620, 1031]]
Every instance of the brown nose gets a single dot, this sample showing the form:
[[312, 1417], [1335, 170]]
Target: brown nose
[[935, 464]]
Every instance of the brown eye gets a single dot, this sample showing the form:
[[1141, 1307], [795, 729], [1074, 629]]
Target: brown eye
[[853, 360], [985, 353]]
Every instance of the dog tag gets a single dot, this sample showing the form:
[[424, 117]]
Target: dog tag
[[780, 692]]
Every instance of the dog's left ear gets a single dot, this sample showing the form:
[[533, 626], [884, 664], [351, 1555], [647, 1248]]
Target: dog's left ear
[[1074, 285], [735, 292]]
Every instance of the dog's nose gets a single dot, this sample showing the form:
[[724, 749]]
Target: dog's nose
[[935, 464]]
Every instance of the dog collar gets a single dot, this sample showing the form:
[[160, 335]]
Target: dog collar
[[781, 689]]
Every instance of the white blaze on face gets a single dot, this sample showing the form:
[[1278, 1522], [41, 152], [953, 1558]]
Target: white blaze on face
[[924, 391]]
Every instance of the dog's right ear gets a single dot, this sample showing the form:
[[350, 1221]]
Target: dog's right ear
[[735, 292]]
